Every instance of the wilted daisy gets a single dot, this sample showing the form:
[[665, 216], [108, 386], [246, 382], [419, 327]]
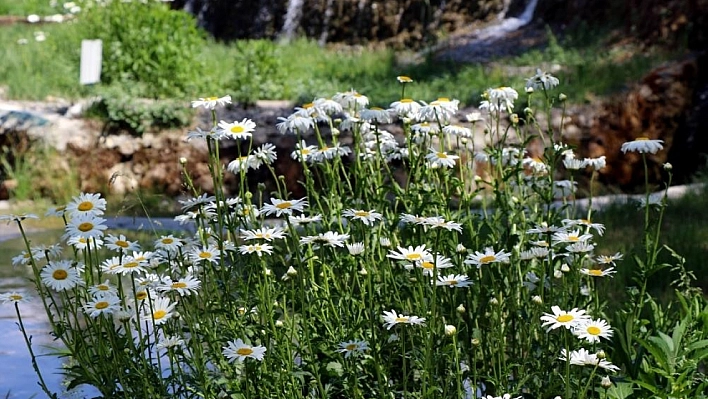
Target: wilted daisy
[[643, 145], [238, 130], [456, 130], [328, 106], [257, 249], [102, 304], [410, 254], [160, 310], [87, 204], [499, 99], [86, 226], [582, 357], [23, 258], [440, 110], [542, 81], [609, 259], [303, 152], [351, 100], [13, 297], [329, 238], [441, 159], [263, 233], [366, 217], [598, 227], [596, 163], [533, 253], [211, 102], [239, 350], [280, 207], [356, 248], [266, 153], [392, 318], [352, 348], [580, 247], [454, 281], [654, 200], [574, 164], [121, 243], [303, 219], [564, 188], [487, 257], [562, 318], [435, 222], [243, 163], [186, 285], [592, 330], [375, 115], [60, 275]]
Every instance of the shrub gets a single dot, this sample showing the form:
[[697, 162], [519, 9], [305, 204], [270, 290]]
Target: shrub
[[149, 44]]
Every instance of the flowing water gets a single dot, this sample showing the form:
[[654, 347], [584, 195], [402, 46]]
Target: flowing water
[[507, 24]]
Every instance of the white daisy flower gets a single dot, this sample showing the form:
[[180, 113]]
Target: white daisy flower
[[598, 227], [209, 254], [238, 130], [295, 123], [303, 220], [329, 238], [431, 262], [440, 110], [102, 289], [170, 341], [410, 254], [61, 275], [366, 217], [351, 100], [454, 281], [168, 243], [186, 285], [405, 108], [375, 115], [561, 237], [596, 163], [258, 249], [213, 133], [534, 253], [580, 247], [86, 226], [14, 297], [438, 159], [128, 265], [329, 106], [542, 81], [87, 204], [487, 257], [459, 131], [211, 102], [356, 248], [392, 318], [303, 152], [609, 259], [244, 163], [593, 330], [266, 153], [240, 351], [574, 164], [643, 145], [562, 318], [264, 233], [121, 243], [582, 357], [102, 304], [352, 348], [160, 310], [280, 207]]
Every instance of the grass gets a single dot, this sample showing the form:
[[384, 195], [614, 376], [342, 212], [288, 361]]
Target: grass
[[300, 71]]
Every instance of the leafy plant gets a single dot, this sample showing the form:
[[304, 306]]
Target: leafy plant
[[147, 43]]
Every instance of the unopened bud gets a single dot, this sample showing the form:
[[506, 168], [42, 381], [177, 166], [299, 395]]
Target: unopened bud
[[529, 89], [514, 118], [606, 382], [450, 330], [494, 301], [601, 354], [291, 271], [537, 300], [363, 272], [558, 274], [461, 309], [668, 166], [562, 97], [565, 268], [475, 342], [182, 160], [278, 323]]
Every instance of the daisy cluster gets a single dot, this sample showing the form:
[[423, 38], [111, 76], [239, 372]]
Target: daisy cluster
[[382, 277]]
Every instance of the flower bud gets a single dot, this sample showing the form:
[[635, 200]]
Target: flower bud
[[562, 97], [565, 268], [461, 309], [279, 323], [514, 118], [529, 89], [363, 272], [475, 342], [494, 301], [460, 249], [606, 382], [182, 160], [601, 354], [557, 274], [668, 166], [537, 300], [450, 330]]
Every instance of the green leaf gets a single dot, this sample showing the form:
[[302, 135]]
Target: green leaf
[[621, 390]]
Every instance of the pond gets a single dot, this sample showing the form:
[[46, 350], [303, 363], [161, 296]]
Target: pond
[[17, 377]]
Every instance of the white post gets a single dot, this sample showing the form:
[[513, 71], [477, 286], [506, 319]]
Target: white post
[[91, 57]]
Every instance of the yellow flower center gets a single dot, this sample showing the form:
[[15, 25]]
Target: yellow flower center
[[406, 100], [565, 318], [167, 241], [85, 206], [594, 330], [130, 265], [595, 272], [441, 155], [573, 238], [362, 214], [60, 274], [453, 282], [15, 297], [140, 295], [26, 256], [403, 319], [585, 221], [487, 259], [308, 105], [413, 256], [443, 99], [101, 305], [304, 151], [284, 205], [427, 265], [205, 255], [159, 314], [212, 98], [102, 287], [376, 109], [179, 284], [404, 79], [641, 139], [244, 351], [350, 347], [237, 129], [86, 226], [122, 244]]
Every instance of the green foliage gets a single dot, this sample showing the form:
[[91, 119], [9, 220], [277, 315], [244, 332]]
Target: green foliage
[[258, 71], [147, 44], [121, 110], [26, 7]]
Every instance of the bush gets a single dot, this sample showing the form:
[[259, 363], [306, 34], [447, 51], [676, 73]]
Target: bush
[[148, 44]]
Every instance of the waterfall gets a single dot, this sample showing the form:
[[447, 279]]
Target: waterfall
[[292, 19], [507, 25]]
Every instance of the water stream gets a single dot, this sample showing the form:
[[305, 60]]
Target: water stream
[[507, 25]]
